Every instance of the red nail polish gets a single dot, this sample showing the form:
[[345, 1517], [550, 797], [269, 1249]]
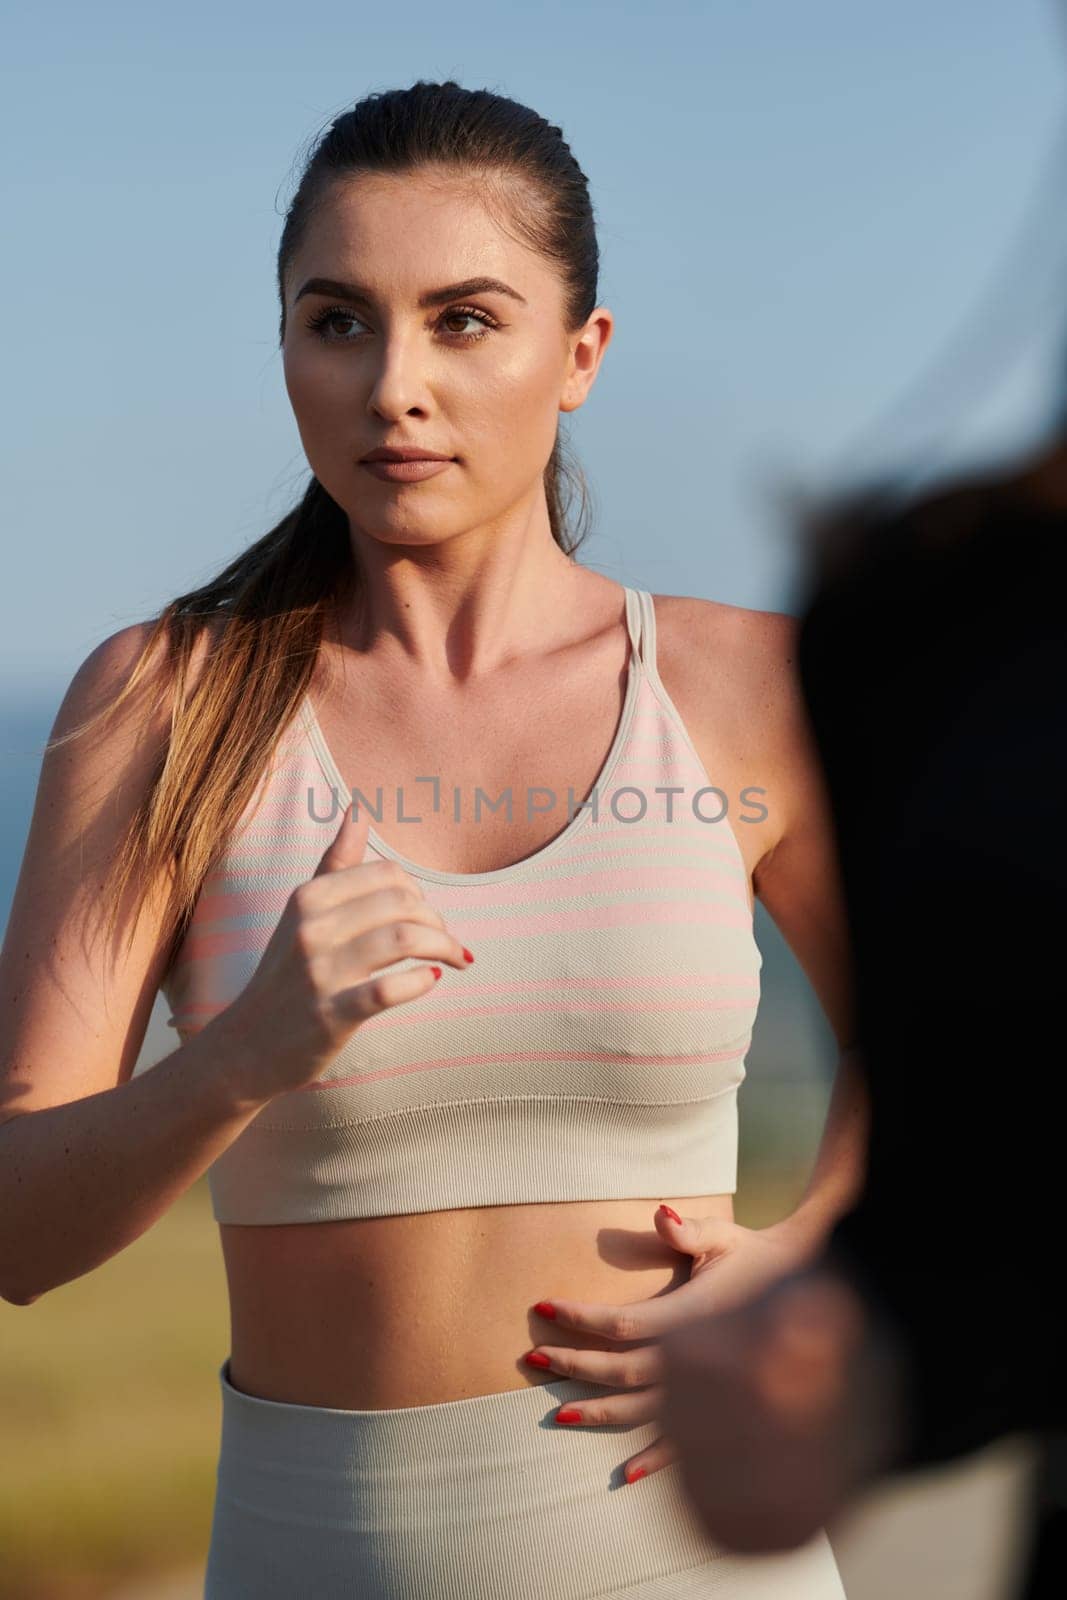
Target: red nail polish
[[536, 1359], [466, 954], [545, 1308], [638, 1472], [436, 971], [568, 1415], [670, 1212]]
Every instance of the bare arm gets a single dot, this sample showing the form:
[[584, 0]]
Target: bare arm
[[798, 880], [90, 1156], [837, 1175], [83, 1180]]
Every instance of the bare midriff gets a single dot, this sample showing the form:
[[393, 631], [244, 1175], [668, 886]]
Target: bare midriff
[[385, 1312]]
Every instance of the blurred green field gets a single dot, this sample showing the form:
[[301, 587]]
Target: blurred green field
[[110, 1408], [110, 1414]]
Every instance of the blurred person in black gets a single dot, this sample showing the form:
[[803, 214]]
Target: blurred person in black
[[932, 653]]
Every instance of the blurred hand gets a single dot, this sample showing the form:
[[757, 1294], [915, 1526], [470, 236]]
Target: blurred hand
[[780, 1410]]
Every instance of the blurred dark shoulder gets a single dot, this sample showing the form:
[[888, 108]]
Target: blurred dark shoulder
[[915, 608], [977, 539]]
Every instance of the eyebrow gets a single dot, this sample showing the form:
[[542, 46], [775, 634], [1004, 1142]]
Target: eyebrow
[[432, 297]]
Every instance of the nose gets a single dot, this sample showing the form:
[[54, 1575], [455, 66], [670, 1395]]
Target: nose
[[399, 383]]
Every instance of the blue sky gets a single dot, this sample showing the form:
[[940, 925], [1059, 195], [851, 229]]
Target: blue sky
[[802, 208]]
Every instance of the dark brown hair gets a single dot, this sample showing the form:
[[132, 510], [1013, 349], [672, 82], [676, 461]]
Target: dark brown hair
[[266, 611]]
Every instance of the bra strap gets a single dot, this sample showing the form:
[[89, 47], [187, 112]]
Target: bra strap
[[647, 626], [634, 613]]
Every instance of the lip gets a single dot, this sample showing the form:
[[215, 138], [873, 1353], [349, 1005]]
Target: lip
[[403, 452], [407, 471]]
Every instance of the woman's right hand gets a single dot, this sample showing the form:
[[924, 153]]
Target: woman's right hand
[[320, 975]]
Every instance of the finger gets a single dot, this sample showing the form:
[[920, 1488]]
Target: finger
[[642, 1319], [364, 1000], [345, 883], [659, 1454], [392, 925], [695, 1235], [611, 1322], [627, 1369], [642, 1405], [349, 844]]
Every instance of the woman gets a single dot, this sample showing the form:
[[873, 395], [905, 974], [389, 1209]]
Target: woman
[[436, 1189]]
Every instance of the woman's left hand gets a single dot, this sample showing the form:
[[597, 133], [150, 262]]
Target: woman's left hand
[[730, 1265]]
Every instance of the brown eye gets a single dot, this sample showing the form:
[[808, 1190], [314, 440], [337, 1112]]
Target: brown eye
[[466, 314], [321, 320]]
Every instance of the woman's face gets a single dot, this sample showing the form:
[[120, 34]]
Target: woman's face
[[479, 376]]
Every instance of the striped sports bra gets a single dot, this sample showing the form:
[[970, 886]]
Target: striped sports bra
[[593, 1052]]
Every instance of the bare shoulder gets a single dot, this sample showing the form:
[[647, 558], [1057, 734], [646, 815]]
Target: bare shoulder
[[712, 635], [109, 666], [735, 659], [731, 672]]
